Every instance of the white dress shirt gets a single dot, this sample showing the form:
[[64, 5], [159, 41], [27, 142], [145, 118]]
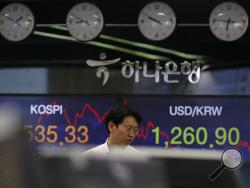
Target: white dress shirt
[[103, 149]]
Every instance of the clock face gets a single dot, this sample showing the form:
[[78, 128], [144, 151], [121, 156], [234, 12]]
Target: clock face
[[228, 21], [85, 21], [16, 22], [156, 21]]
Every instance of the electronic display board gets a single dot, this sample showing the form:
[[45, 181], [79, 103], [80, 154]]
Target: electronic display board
[[170, 122]]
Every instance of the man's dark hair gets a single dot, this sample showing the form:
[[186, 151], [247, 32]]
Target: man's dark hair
[[117, 115]]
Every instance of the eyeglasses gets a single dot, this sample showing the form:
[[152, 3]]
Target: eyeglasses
[[130, 129]]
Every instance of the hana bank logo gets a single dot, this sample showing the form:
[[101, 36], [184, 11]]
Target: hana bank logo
[[102, 70], [170, 71]]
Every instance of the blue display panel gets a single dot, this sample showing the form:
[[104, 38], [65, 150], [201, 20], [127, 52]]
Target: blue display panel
[[169, 122]]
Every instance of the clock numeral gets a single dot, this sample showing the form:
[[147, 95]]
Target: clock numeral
[[98, 21], [215, 14], [142, 21], [171, 20], [84, 36], [15, 8], [242, 15], [229, 6], [28, 21], [156, 6], [228, 36], [84, 7]]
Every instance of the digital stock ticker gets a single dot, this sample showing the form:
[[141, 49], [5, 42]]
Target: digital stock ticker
[[203, 122]]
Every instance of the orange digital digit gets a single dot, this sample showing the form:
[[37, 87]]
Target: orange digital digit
[[84, 137], [52, 135], [40, 134], [71, 138], [29, 132]]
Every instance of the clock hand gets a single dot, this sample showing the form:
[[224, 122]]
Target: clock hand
[[13, 20], [228, 22], [153, 19], [231, 21], [10, 18], [221, 20], [85, 21], [18, 19], [81, 20]]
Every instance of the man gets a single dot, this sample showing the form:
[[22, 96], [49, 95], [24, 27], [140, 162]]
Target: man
[[122, 125]]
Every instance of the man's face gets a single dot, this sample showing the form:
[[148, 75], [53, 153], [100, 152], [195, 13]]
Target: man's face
[[125, 132]]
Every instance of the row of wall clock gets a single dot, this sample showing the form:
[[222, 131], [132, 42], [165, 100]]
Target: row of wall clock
[[156, 21]]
